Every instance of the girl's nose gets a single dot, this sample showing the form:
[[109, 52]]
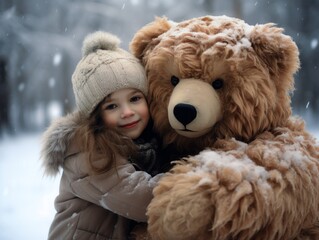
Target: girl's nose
[[127, 112]]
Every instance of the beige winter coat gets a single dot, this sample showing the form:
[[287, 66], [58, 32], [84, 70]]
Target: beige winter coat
[[92, 207]]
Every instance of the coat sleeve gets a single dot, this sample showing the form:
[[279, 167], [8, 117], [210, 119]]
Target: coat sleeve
[[122, 190]]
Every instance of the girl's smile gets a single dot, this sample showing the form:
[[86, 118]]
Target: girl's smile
[[130, 125]]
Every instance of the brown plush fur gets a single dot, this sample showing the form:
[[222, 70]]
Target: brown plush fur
[[259, 180]]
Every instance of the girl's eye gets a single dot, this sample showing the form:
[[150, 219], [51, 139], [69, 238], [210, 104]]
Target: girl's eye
[[110, 107], [135, 98], [174, 80], [218, 83]]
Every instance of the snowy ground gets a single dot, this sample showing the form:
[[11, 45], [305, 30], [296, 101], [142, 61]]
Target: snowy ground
[[26, 205]]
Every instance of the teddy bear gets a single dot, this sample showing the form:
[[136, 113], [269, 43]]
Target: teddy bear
[[220, 98]]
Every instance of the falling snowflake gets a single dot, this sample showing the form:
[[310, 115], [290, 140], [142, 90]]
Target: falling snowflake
[[57, 59], [54, 109], [314, 43], [51, 82], [21, 87]]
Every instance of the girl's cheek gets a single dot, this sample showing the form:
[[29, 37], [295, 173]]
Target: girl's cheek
[[110, 119]]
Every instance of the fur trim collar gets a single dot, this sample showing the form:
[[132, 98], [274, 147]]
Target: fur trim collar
[[55, 141]]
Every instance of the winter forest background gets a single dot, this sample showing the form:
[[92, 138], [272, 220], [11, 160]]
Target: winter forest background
[[40, 45]]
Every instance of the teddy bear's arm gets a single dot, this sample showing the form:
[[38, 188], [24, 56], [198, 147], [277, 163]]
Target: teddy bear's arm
[[237, 194], [201, 201]]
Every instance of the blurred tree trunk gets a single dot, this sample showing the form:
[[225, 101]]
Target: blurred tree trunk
[[308, 85], [237, 8], [67, 91], [4, 97], [208, 5]]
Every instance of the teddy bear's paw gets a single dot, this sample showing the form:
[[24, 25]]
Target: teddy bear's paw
[[184, 213]]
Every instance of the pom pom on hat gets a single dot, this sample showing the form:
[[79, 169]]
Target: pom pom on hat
[[103, 69], [99, 40]]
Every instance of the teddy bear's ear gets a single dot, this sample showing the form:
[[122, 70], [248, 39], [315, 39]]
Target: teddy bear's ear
[[277, 50], [145, 35]]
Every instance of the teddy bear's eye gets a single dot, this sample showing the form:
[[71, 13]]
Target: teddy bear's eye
[[218, 83], [174, 80]]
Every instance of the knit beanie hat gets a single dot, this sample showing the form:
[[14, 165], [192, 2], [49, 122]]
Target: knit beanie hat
[[103, 69]]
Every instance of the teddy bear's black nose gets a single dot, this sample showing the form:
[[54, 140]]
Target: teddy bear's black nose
[[185, 113]]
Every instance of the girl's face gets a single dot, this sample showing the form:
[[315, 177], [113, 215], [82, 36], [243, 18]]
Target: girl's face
[[127, 111]]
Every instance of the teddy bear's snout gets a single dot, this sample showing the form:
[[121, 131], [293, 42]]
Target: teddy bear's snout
[[185, 113], [188, 113]]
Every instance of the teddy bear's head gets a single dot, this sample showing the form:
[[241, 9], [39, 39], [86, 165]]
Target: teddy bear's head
[[216, 77]]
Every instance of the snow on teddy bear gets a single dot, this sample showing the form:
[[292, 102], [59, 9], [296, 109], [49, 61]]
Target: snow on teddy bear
[[222, 86]]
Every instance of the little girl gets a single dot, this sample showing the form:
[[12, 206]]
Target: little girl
[[102, 190]]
